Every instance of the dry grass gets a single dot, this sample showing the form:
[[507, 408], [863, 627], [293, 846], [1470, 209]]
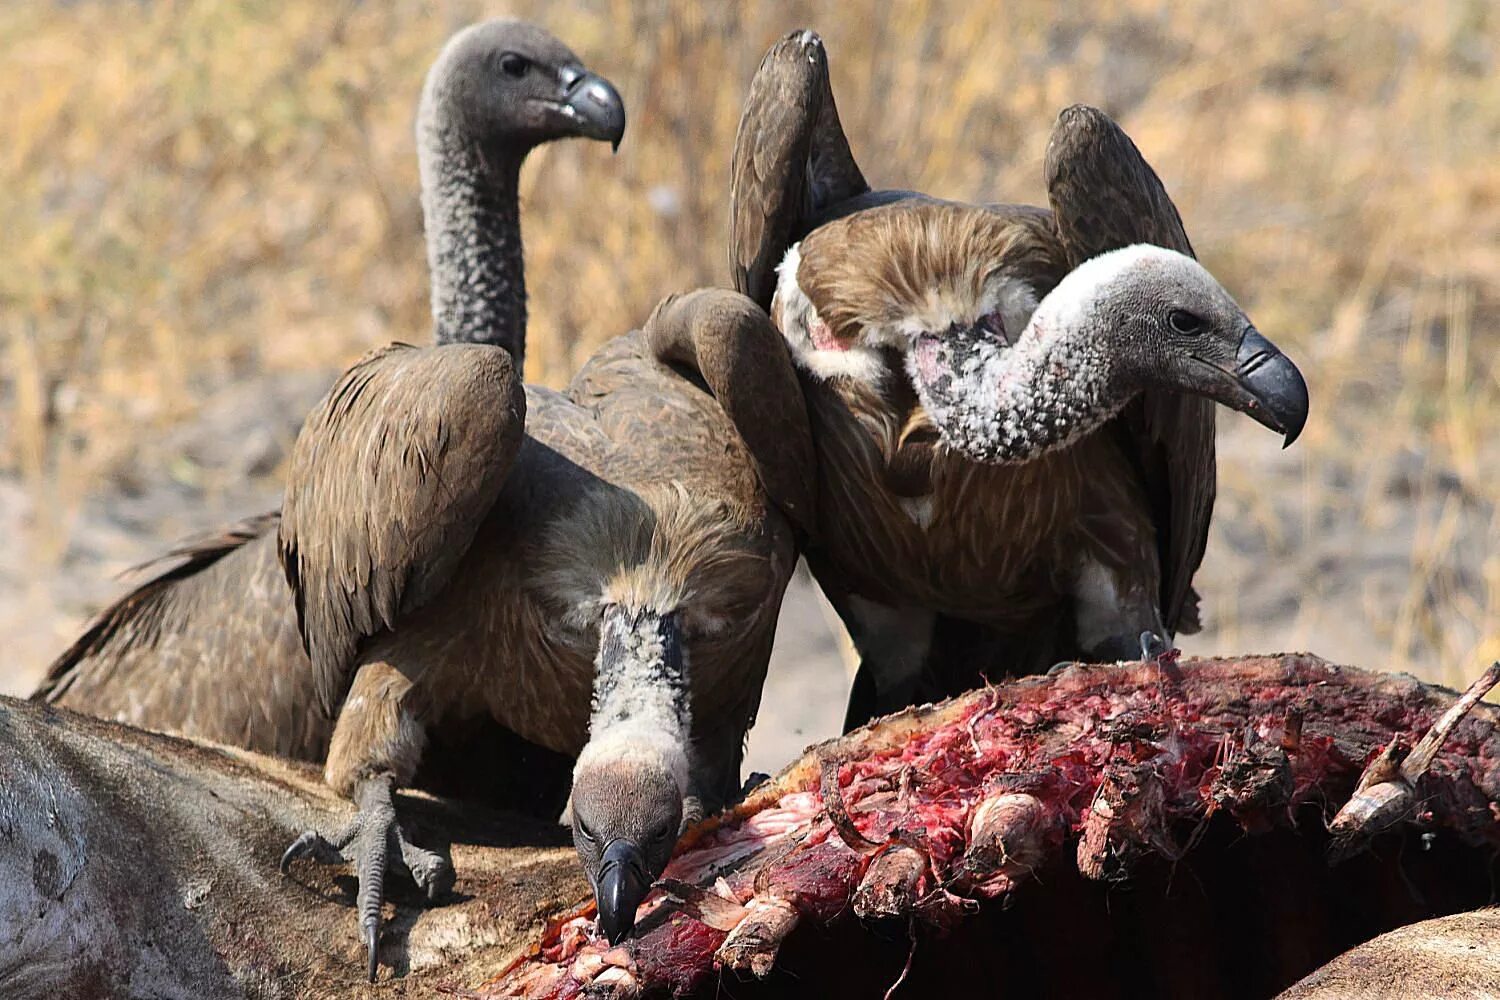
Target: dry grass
[[197, 194]]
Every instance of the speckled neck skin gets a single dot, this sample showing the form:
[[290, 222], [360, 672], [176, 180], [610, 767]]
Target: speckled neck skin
[[641, 690], [473, 221], [999, 404]]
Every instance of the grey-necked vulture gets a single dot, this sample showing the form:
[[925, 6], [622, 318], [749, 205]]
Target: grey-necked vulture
[[1013, 408], [597, 570]]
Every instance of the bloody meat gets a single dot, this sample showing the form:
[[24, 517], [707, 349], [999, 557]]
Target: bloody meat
[[933, 816]]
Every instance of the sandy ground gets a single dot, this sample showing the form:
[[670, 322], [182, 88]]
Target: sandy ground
[[1277, 579]]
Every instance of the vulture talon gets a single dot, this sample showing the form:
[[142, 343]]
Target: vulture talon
[[373, 832], [1153, 646], [323, 850], [371, 937], [754, 781]]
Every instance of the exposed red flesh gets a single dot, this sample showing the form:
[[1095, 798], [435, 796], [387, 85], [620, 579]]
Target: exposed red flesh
[[1110, 763]]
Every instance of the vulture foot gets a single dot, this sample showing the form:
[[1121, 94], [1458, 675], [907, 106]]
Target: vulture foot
[[373, 834], [1124, 647], [756, 779], [1153, 646]]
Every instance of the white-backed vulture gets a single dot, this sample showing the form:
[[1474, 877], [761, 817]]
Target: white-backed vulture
[[605, 584], [597, 570], [1013, 408], [599, 562]]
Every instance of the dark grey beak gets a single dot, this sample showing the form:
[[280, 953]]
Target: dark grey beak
[[595, 105], [620, 888], [1277, 394]]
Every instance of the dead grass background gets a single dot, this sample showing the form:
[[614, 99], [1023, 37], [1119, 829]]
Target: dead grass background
[[202, 201]]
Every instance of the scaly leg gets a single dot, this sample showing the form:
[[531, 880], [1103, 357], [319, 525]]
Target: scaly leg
[[893, 644], [373, 832]]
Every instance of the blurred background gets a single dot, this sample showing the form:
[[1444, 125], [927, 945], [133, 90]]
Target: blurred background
[[207, 210]]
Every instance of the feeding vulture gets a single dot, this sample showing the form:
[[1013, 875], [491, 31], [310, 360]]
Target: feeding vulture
[[1013, 408], [605, 584], [597, 570]]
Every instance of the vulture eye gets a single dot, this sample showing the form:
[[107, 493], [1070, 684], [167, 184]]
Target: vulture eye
[[992, 324], [1186, 323], [588, 834], [514, 65]]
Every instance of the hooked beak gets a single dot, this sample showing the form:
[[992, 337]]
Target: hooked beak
[[594, 104], [1266, 386], [621, 886]]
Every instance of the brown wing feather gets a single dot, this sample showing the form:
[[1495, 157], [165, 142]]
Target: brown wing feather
[[135, 618], [791, 161], [1104, 196], [207, 648], [730, 342], [391, 476]]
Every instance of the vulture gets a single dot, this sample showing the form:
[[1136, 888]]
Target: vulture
[[597, 570], [1012, 408]]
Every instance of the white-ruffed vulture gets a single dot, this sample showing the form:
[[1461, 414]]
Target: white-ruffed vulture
[[604, 584], [1013, 408]]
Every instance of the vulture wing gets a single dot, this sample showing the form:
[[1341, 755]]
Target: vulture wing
[[391, 476], [1105, 196], [205, 646], [791, 162], [731, 343], [131, 621]]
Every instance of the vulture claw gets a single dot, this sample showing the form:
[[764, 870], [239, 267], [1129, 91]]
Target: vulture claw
[[756, 779], [372, 935], [375, 835], [1152, 646]]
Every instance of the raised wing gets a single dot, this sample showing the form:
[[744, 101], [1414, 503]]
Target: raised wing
[[1105, 196], [791, 162], [391, 476], [730, 342]]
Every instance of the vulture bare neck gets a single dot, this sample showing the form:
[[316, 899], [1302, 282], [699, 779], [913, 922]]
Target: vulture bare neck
[[1015, 404], [472, 213]]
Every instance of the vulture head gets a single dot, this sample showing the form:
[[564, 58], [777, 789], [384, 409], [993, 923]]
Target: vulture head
[[1156, 318], [511, 81], [627, 812], [946, 296]]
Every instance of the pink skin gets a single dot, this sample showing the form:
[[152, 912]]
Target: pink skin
[[823, 338]]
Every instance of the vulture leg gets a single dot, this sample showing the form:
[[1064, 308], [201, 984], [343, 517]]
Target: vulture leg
[[373, 833], [1116, 581], [376, 746], [893, 644], [692, 812]]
